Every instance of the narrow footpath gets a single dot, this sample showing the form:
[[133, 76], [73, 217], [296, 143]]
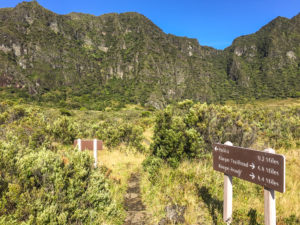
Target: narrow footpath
[[136, 214]]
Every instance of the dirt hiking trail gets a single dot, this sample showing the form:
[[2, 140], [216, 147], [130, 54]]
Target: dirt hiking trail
[[136, 214]]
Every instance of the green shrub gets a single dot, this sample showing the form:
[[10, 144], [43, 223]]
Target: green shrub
[[65, 112], [17, 112], [152, 165], [64, 130], [114, 133], [42, 187], [3, 117], [188, 130], [278, 128], [38, 137], [146, 114], [292, 219], [83, 109]]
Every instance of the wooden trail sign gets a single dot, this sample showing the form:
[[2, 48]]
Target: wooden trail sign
[[263, 168], [88, 144], [94, 145]]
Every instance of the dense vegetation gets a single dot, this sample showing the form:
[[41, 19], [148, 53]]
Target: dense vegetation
[[188, 130], [43, 179], [183, 137], [69, 76], [80, 60]]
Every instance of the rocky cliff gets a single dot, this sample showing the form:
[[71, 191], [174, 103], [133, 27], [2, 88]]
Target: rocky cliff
[[125, 57]]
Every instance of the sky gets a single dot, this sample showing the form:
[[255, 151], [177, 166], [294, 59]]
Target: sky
[[214, 23]]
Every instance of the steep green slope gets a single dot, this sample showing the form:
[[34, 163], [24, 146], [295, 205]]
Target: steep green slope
[[266, 64], [126, 58]]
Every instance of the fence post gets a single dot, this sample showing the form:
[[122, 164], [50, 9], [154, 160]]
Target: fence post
[[227, 204], [95, 153], [79, 144], [269, 199]]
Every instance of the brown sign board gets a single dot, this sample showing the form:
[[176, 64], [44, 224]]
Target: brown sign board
[[263, 168], [89, 144]]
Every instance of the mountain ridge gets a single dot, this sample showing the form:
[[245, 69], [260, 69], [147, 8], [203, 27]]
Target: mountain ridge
[[126, 57]]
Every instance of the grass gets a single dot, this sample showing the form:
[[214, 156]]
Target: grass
[[121, 162], [197, 186], [118, 164], [288, 203], [278, 102], [183, 186], [269, 103], [193, 184]]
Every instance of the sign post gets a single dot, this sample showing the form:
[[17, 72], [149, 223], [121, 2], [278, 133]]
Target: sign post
[[79, 144], [269, 201], [260, 167], [94, 145], [95, 153], [227, 203]]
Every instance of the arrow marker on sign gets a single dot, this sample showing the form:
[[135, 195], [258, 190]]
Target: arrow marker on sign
[[252, 176], [252, 166]]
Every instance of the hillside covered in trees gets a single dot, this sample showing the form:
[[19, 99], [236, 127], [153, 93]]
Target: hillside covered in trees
[[99, 61], [157, 101]]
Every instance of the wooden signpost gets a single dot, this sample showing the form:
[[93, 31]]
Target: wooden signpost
[[260, 167], [94, 145]]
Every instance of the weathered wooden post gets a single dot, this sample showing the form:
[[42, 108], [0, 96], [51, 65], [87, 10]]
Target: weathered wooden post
[[95, 153], [269, 199], [227, 204], [79, 144]]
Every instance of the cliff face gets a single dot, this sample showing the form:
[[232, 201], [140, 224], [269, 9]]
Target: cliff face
[[41, 51], [267, 63]]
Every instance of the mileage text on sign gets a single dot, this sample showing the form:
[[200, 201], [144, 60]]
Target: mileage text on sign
[[266, 169]]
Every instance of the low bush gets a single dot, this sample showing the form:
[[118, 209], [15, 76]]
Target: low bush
[[65, 112], [152, 165], [114, 133], [39, 183], [187, 130], [40, 187], [63, 130]]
